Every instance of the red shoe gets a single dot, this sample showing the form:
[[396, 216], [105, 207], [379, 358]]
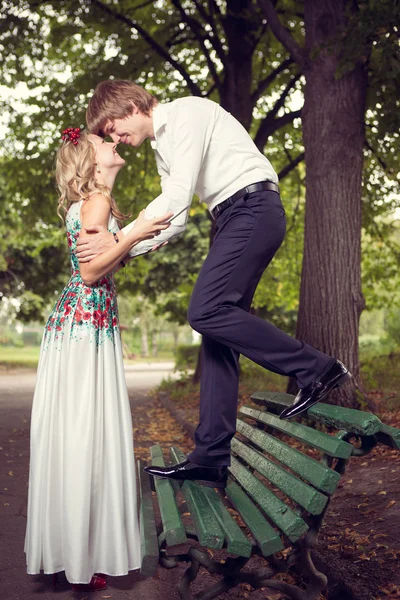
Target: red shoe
[[96, 584]]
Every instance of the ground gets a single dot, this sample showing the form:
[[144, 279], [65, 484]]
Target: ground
[[359, 544]]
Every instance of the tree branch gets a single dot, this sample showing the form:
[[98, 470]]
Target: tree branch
[[143, 5], [270, 126], [378, 158], [197, 29], [194, 88], [281, 101], [215, 37], [257, 41], [210, 91], [280, 32], [284, 120], [289, 167], [264, 83], [267, 125]]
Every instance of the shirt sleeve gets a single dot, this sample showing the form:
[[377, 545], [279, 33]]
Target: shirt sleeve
[[189, 133]]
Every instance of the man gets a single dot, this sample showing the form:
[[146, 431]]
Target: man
[[200, 148]]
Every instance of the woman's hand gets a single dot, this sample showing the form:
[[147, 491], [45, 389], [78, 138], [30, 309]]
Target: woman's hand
[[146, 229]]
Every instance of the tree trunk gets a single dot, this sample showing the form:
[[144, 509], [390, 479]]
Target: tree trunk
[[241, 31], [154, 342], [175, 334], [144, 338], [331, 299]]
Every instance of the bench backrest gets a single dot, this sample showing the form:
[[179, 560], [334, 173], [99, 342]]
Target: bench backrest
[[279, 490]]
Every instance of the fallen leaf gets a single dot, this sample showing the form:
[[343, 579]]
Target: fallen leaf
[[11, 474], [382, 493], [389, 504]]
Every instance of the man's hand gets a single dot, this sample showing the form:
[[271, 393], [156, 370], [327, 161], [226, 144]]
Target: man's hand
[[98, 241]]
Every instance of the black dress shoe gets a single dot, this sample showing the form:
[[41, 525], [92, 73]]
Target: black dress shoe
[[209, 476], [334, 377]]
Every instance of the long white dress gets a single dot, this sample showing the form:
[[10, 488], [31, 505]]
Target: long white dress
[[82, 512]]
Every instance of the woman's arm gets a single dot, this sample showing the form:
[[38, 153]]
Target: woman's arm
[[97, 209]]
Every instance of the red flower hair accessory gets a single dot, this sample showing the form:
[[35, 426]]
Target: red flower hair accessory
[[71, 134]]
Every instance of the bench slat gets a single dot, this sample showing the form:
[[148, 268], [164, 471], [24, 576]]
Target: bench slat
[[287, 520], [317, 439], [173, 527], [208, 531], [390, 436], [236, 541], [266, 537], [275, 402], [313, 471], [354, 421], [148, 533], [302, 493]]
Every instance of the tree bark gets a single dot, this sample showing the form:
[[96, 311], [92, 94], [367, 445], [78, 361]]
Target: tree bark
[[154, 342], [144, 338], [331, 299], [236, 88]]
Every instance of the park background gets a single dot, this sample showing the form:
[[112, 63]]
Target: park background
[[317, 87], [316, 84]]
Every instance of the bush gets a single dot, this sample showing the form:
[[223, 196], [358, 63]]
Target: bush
[[11, 340], [186, 357], [392, 325], [31, 338]]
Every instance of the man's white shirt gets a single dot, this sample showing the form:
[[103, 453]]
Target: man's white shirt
[[200, 149]]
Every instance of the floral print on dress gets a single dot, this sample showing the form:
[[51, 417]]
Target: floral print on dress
[[83, 310]]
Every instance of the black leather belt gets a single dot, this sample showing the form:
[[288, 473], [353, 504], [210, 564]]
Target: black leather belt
[[249, 189]]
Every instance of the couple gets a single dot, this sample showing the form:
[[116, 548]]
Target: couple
[[82, 515]]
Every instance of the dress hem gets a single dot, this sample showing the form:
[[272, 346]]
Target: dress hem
[[84, 582]]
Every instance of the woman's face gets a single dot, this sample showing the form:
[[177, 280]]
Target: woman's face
[[107, 157]]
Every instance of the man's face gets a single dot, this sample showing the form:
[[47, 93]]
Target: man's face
[[131, 130]]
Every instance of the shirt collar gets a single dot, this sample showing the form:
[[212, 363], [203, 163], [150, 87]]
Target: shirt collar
[[159, 120]]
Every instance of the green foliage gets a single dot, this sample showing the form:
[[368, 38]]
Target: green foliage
[[31, 307], [392, 325], [380, 265], [59, 51], [186, 357]]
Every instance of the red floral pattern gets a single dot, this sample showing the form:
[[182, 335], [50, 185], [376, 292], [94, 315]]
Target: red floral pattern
[[83, 310]]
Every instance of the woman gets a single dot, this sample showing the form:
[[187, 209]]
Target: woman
[[82, 514]]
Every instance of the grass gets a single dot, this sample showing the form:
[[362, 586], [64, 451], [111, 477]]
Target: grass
[[25, 357], [380, 375], [28, 357]]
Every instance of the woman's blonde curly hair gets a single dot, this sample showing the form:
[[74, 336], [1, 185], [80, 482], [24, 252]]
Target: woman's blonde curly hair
[[75, 176]]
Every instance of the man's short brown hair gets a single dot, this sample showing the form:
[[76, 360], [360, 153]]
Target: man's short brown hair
[[112, 99]]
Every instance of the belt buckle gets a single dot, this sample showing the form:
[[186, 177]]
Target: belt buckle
[[215, 213]]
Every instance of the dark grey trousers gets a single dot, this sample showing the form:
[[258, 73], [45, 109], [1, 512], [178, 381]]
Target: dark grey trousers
[[247, 237]]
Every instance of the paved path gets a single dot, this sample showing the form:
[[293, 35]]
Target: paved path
[[15, 405]]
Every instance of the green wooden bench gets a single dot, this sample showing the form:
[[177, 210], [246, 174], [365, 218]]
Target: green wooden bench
[[280, 493]]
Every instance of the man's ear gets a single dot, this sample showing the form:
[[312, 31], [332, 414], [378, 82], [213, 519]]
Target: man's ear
[[135, 109]]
